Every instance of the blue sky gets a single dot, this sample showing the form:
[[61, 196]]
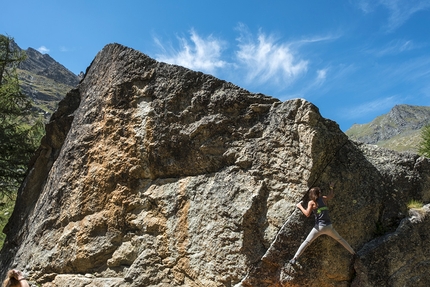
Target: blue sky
[[354, 60]]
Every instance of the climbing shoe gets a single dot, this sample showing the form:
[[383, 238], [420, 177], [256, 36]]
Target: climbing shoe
[[293, 261]]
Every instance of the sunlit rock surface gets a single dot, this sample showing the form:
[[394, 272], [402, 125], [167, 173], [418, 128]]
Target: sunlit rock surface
[[155, 175]]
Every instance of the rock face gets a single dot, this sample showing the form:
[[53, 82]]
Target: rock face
[[155, 175]]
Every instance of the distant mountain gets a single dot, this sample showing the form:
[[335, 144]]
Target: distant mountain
[[399, 129], [45, 66], [44, 80]]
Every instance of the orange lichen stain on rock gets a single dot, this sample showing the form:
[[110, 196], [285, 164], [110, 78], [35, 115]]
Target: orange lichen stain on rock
[[100, 194], [113, 157], [183, 269], [183, 205]]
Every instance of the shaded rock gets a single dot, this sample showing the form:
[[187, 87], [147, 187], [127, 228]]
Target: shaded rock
[[399, 258], [156, 175]]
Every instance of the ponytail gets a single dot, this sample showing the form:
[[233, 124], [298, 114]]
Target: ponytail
[[314, 193]]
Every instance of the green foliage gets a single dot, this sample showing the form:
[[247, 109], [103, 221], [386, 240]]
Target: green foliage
[[18, 139], [7, 203], [20, 134], [416, 204], [424, 146]]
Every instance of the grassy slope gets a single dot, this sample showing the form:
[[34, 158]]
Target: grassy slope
[[49, 93], [408, 141], [360, 130]]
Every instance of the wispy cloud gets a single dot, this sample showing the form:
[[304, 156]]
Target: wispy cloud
[[402, 10], [364, 5], [316, 82], [399, 10], [43, 49], [321, 76], [411, 71], [394, 47], [253, 59], [64, 49], [370, 108], [315, 39], [265, 59], [203, 54]]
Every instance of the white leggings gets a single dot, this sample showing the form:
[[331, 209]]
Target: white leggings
[[320, 230]]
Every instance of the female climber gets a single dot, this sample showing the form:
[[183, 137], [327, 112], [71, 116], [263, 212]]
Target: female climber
[[318, 205]]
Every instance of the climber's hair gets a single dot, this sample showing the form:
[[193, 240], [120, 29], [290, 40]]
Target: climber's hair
[[314, 193], [10, 280]]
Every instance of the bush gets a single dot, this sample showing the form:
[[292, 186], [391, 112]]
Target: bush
[[424, 146], [416, 204]]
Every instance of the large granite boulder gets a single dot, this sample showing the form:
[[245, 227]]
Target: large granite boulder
[[154, 175]]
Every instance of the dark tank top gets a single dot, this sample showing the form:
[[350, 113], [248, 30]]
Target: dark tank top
[[321, 213]]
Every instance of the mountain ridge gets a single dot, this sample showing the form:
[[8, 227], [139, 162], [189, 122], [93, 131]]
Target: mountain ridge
[[45, 65], [399, 129], [44, 80]]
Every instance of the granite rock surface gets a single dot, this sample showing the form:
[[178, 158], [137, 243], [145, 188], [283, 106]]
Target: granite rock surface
[[155, 175]]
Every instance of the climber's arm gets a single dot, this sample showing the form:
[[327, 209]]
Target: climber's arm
[[308, 210], [330, 194]]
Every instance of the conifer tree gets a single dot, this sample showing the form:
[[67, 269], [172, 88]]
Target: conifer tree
[[18, 137], [424, 146]]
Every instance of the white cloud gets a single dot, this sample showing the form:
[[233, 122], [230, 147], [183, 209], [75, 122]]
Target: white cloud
[[266, 60], [399, 10], [256, 59], [321, 76], [410, 71], [402, 10], [43, 50], [395, 47], [201, 54], [315, 39], [364, 5], [369, 108]]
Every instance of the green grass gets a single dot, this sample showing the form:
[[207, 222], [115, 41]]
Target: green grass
[[6, 207], [417, 212], [415, 204], [360, 130], [407, 141]]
